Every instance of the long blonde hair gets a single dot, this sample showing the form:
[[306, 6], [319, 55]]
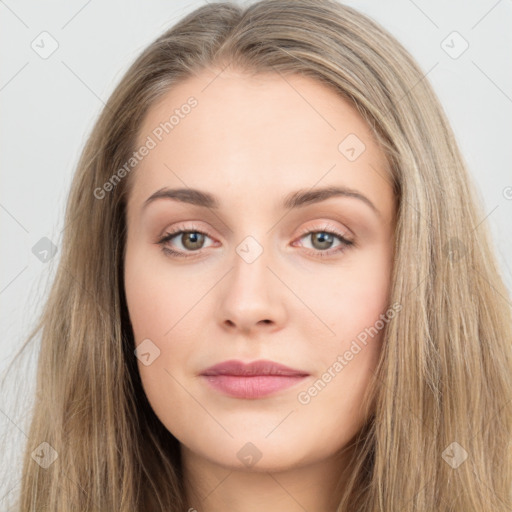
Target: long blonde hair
[[440, 434]]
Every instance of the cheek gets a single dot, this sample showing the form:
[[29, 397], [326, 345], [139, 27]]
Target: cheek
[[346, 363], [163, 306], [156, 298], [149, 308], [353, 297], [158, 313], [355, 305]]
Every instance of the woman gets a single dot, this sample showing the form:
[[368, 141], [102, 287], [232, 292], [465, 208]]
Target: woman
[[271, 292]]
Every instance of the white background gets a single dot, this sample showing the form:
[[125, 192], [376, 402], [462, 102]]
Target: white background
[[49, 106]]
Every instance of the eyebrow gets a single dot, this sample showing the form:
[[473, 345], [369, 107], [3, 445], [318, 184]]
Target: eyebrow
[[297, 199]]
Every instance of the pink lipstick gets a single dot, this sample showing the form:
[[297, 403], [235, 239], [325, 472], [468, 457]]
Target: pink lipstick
[[254, 380]]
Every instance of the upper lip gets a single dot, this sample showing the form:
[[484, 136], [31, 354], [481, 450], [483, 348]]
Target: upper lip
[[260, 367]]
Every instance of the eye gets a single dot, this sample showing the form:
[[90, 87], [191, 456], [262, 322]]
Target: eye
[[322, 240], [192, 240]]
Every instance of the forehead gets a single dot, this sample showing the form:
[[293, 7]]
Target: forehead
[[254, 133]]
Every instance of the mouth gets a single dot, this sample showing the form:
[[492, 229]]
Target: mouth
[[251, 381]]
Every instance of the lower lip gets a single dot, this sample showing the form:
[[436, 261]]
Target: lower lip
[[256, 386]]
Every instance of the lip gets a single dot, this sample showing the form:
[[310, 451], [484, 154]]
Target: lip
[[253, 380]]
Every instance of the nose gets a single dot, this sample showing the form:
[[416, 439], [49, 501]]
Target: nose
[[251, 297]]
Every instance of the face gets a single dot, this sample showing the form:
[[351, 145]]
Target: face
[[269, 268]]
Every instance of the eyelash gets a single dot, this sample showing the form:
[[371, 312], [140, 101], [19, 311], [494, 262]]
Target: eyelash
[[345, 243]]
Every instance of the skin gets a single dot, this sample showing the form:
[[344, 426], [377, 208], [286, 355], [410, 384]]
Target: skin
[[250, 141]]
